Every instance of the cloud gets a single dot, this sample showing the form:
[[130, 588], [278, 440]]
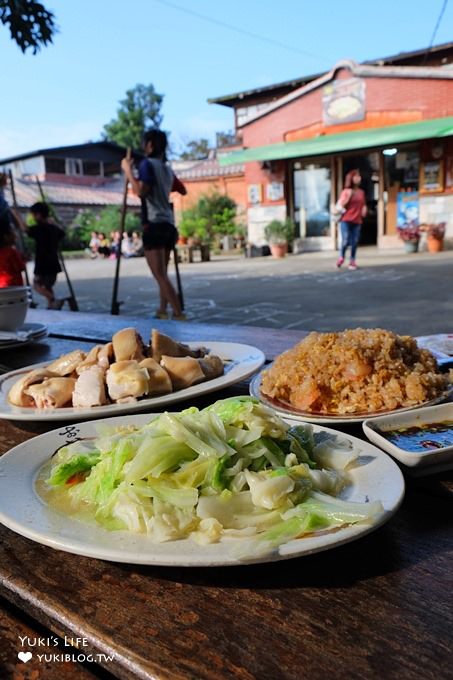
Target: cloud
[[15, 140]]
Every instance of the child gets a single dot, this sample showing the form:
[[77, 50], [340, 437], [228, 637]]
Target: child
[[47, 237], [11, 262]]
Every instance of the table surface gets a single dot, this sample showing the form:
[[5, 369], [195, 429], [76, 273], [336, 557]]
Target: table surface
[[378, 607]]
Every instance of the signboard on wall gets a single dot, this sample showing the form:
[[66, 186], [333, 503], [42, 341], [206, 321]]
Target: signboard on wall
[[275, 191], [343, 101], [255, 193]]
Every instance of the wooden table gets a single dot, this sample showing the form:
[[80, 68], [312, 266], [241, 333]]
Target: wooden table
[[377, 608]]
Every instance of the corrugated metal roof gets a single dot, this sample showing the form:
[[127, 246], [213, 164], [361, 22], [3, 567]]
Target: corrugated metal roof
[[28, 193]]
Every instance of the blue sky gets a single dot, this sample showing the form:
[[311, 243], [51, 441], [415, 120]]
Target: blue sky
[[69, 90]]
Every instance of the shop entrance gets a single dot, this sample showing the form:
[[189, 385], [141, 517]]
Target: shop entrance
[[368, 165]]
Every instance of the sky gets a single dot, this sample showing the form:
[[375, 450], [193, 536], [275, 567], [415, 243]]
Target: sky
[[190, 50]]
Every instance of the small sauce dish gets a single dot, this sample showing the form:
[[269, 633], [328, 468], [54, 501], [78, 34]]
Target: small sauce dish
[[422, 438]]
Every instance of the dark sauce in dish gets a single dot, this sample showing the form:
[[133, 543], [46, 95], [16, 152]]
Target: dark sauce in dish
[[421, 438]]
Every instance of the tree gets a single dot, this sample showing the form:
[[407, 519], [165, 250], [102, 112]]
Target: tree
[[212, 217], [139, 110], [31, 25], [196, 150]]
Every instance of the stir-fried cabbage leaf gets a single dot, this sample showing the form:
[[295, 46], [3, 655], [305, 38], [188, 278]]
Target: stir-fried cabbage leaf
[[233, 469]]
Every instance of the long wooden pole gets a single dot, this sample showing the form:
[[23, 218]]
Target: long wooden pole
[[72, 302], [115, 307]]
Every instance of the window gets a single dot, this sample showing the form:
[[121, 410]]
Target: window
[[312, 198], [112, 168], [56, 165], [74, 166], [93, 168]]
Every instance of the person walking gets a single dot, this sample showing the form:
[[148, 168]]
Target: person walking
[[47, 237], [352, 202], [155, 182]]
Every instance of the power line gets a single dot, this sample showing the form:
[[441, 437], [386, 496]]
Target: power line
[[243, 31], [439, 19]]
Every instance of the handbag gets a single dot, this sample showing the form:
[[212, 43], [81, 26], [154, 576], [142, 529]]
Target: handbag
[[339, 210]]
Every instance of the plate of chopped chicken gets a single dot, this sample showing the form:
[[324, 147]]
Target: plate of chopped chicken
[[124, 376]]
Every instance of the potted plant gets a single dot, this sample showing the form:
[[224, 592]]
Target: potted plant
[[410, 237], [434, 236], [279, 234]]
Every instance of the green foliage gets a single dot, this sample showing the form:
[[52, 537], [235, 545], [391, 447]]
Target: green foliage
[[197, 149], [106, 221], [213, 216], [279, 232], [31, 25], [138, 111]]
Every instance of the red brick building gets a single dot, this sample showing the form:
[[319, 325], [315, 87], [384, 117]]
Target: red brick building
[[395, 123]]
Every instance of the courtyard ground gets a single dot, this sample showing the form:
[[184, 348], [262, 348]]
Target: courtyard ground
[[406, 293]]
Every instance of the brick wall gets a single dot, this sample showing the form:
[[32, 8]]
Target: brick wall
[[232, 186], [406, 98]]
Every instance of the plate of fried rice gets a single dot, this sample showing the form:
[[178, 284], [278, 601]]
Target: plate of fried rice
[[351, 375]]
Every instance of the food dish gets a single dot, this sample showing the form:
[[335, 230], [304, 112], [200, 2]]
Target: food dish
[[241, 361], [415, 439], [26, 334], [440, 345], [353, 372], [375, 477], [288, 411]]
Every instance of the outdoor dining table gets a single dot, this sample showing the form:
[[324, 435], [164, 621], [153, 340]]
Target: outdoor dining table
[[379, 607]]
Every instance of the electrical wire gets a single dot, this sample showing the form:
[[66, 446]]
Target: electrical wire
[[436, 28], [243, 31]]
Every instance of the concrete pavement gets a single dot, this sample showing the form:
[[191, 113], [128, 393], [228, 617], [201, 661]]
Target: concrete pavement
[[406, 293]]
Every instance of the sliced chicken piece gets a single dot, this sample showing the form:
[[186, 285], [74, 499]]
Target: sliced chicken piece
[[17, 394], [212, 366], [183, 371], [127, 345], [89, 389], [67, 364], [127, 379], [159, 380], [105, 356], [53, 393], [91, 359], [163, 345]]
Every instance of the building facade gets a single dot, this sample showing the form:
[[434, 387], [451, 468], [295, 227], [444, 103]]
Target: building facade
[[394, 123]]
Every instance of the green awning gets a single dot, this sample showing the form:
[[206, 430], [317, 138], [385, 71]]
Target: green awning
[[346, 141]]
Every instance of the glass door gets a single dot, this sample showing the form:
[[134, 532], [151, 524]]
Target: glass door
[[311, 198]]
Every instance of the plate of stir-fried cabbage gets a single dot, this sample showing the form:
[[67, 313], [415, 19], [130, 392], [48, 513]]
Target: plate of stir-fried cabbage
[[230, 484]]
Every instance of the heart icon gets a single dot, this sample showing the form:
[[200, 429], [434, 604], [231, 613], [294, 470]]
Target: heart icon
[[25, 656]]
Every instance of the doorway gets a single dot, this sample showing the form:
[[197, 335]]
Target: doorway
[[368, 165]]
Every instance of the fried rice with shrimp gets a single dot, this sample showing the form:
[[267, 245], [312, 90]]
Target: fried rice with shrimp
[[355, 371]]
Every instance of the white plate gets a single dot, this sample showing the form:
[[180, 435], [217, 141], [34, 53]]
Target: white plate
[[376, 477], [430, 459], [34, 331], [440, 345], [287, 411], [240, 362]]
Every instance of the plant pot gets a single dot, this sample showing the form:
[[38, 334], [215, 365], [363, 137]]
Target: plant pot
[[411, 246], [435, 245], [278, 249]]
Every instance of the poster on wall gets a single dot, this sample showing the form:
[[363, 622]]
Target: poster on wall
[[449, 172], [432, 176], [407, 210], [275, 191], [343, 101], [254, 193]]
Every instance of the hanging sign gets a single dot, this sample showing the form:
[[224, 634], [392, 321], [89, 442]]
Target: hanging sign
[[343, 101]]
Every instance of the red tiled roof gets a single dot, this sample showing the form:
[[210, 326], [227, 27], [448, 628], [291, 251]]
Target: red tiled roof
[[28, 193]]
